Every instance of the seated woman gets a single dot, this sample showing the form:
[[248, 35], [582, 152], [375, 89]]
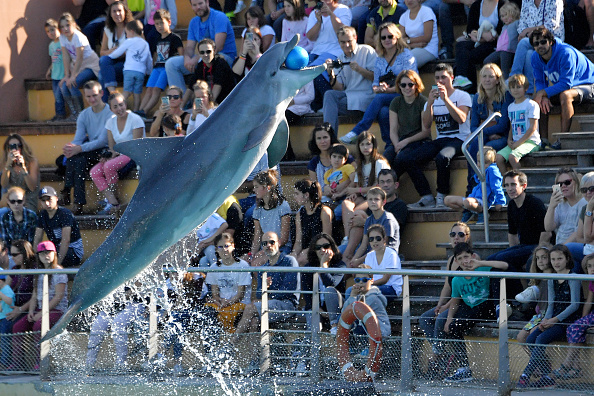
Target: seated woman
[[420, 31], [24, 257], [172, 105], [171, 126], [323, 253], [251, 51], [383, 257], [394, 56], [203, 105], [254, 18], [123, 126], [20, 169], [584, 237]]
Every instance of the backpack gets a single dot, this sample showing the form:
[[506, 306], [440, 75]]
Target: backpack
[[577, 31]]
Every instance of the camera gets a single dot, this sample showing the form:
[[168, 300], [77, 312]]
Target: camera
[[336, 64], [319, 5], [105, 153]]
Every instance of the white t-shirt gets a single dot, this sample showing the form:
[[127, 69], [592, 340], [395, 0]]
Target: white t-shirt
[[291, 28], [519, 115], [390, 261], [229, 282], [194, 124], [110, 36], [134, 121], [415, 28], [366, 169], [265, 30], [78, 40], [566, 219], [138, 55], [210, 226], [327, 40], [445, 125]]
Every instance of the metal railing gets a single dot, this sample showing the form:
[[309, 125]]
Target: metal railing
[[480, 169], [504, 383]]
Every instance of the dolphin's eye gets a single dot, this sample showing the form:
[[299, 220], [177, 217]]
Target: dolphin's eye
[[272, 74]]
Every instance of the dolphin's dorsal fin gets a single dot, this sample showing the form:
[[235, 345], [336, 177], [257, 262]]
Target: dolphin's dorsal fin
[[149, 153], [258, 134], [278, 146]]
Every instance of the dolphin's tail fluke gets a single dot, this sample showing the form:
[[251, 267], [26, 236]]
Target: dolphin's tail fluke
[[60, 326]]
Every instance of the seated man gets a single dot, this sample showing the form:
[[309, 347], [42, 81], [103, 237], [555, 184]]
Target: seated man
[[276, 281], [19, 222]]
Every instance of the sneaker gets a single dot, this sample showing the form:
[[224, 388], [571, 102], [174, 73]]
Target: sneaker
[[425, 202], [523, 382], [177, 370], [544, 143], [545, 382], [103, 203], [461, 82], [106, 209], [58, 118], [466, 216], [556, 145], [443, 53], [349, 138], [64, 197], [333, 330], [439, 201], [240, 7], [531, 294], [301, 369], [463, 374]]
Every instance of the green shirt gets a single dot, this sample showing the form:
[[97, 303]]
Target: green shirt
[[473, 291], [409, 115]]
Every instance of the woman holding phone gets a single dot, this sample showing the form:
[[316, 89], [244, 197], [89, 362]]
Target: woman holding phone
[[20, 169], [203, 105], [250, 53], [170, 104]]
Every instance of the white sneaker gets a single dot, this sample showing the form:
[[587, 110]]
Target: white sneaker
[[425, 202], [463, 374], [439, 201], [348, 138], [240, 7], [461, 82], [333, 330], [531, 294]]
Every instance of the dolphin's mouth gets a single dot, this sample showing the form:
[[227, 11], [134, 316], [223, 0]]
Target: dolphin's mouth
[[289, 46]]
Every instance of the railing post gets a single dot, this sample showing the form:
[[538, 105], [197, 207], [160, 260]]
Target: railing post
[[265, 360], [152, 341], [406, 348], [315, 330], [504, 386], [45, 326]]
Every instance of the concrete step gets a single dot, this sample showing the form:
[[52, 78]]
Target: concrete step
[[542, 192], [575, 140], [483, 249], [430, 265], [549, 158], [423, 287], [545, 176], [497, 232], [586, 122]]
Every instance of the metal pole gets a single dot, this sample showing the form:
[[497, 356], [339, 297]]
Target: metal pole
[[44, 358], [315, 330], [504, 386], [483, 180], [265, 360], [406, 349], [152, 341]]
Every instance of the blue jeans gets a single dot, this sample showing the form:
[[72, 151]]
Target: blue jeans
[[379, 109], [5, 328], [497, 144], [577, 252], [321, 84], [432, 326], [447, 27], [522, 62], [59, 105], [133, 81], [111, 72], [538, 356], [82, 77], [516, 257]]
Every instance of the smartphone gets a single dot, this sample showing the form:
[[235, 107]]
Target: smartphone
[[198, 103], [165, 100], [249, 36], [556, 188], [434, 87]]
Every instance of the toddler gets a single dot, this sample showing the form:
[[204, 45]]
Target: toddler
[[509, 13], [336, 179]]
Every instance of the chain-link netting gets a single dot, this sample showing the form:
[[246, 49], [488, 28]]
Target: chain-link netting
[[19, 353]]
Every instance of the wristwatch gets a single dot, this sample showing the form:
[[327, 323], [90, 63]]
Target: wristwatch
[[407, 40], [588, 213]]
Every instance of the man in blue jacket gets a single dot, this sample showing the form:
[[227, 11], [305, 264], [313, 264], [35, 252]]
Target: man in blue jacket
[[562, 74]]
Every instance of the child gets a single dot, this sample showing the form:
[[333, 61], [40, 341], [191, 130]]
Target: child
[[56, 70], [576, 333], [337, 178], [383, 257], [138, 61], [206, 234], [474, 202], [524, 114], [563, 303], [6, 302], [536, 291], [469, 304], [509, 14], [168, 45], [295, 22], [171, 125]]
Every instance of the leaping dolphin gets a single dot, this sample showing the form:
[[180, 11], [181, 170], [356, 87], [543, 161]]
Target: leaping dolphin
[[183, 180]]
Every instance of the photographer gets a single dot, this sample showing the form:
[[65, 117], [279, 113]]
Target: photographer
[[20, 169], [350, 78], [394, 57]]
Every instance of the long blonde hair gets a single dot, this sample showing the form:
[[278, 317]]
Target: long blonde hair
[[499, 90], [393, 29]]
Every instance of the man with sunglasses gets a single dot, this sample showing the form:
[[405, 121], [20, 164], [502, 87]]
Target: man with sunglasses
[[276, 281], [19, 222], [85, 149], [351, 82], [563, 75]]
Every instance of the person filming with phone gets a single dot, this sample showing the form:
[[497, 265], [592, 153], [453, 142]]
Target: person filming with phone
[[20, 169], [251, 51]]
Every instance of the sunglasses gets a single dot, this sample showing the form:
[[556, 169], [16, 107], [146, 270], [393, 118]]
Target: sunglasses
[[225, 246], [540, 42], [15, 254], [15, 146], [460, 234], [361, 280], [564, 182], [410, 85], [376, 238], [323, 246], [16, 201], [174, 96], [205, 52], [266, 243], [389, 37], [584, 190]]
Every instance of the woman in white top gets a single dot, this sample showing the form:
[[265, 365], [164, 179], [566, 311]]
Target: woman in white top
[[419, 29], [123, 126], [382, 257], [81, 63], [254, 18], [114, 34], [203, 105]]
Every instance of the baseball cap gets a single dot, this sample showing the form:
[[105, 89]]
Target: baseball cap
[[45, 246], [48, 190]]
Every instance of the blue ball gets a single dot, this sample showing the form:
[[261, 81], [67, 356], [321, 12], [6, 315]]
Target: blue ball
[[298, 58]]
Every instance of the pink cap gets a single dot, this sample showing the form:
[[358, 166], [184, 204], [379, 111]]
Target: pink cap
[[46, 246]]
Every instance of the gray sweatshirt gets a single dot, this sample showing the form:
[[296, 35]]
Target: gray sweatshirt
[[377, 302]]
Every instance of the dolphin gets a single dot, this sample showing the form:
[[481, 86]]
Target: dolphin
[[183, 180]]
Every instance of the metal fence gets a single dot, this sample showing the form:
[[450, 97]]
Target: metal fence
[[293, 348]]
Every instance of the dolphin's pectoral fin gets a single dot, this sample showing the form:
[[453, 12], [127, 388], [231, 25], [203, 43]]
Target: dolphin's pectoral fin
[[278, 146], [258, 134], [149, 153], [60, 326]]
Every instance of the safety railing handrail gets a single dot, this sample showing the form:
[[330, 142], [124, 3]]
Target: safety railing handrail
[[480, 169]]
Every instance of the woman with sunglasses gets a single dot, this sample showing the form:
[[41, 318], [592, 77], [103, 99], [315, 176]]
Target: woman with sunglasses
[[324, 253], [21, 169], [582, 242], [170, 106], [433, 320], [24, 258], [383, 257], [565, 206], [394, 56], [406, 126], [19, 222]]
